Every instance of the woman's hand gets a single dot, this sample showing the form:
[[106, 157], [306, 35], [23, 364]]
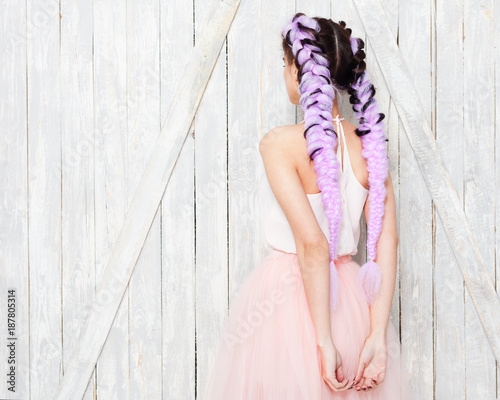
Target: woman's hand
[[331, 367], [372, 363]]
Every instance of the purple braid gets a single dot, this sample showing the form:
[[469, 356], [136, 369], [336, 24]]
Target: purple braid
[[316, 99], [371, 131], [317, 94]]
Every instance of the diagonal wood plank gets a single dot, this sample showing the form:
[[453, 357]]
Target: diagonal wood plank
[[434, 171], [146, 199]]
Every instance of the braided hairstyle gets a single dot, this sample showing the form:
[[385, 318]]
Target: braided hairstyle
[[328, 59]]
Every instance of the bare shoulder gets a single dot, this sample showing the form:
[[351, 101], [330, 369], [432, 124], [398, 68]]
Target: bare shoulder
[[276, 148], [284, 140], [350, 126]]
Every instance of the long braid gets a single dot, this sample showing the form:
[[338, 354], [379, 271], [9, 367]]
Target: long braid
[[371, 131], [316, 99]]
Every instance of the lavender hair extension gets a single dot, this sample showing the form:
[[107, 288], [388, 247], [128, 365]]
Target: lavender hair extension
[[316, 99], [317, 95], [373, 139]]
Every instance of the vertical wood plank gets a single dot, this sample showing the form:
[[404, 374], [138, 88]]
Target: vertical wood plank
[[14, 261], [497, 166], [44, 197], [177, 206], [143, 128], [210, 144], [245, 85], [416, 217], [449, 339], [479, 167], [110, 104], [346, 11], [392, 131], [316, 8], [77, 152], [275, 107]]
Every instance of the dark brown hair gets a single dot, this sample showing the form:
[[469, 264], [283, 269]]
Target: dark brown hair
[[345, 67]]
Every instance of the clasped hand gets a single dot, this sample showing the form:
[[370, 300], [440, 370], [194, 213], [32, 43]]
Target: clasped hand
[[372, 363], [371, 368]]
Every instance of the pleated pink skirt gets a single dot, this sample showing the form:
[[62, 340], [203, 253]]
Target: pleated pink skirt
[[267, 348]]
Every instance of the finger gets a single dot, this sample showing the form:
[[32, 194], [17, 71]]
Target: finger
[[365, 383], [340, 373], [352, 385], [381, 377], [372, 384], [361, 385], [359, 372], [336, 385], [340, 384], [339, 376], [371, 387]]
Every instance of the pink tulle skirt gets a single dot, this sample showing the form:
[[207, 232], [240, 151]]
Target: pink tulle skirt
[[267, 348]]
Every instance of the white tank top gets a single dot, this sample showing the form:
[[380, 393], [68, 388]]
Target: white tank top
[[276, 231]]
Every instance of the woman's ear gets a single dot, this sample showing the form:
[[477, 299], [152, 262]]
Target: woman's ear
[[295, 73]]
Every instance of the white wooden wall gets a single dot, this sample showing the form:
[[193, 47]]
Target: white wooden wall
[[85, 86]]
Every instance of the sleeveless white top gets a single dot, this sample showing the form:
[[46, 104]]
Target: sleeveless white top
[[276, 231]]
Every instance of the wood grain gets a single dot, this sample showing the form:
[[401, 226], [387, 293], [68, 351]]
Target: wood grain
[[145, 201]]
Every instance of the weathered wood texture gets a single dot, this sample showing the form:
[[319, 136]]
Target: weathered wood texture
[[139, 218]]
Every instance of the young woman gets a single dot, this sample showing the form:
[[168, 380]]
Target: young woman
[[309, 322]]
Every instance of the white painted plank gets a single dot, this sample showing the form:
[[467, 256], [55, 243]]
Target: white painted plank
[[434, 171], [14, 261], [449, 339], [393, 133], [479, 173], [496, 33], [146, 199], [316, 8], [210, 144], [274, 108], [416, 217], [110, 104], [143, 127], [245, 102], [44, 183], [178, 232], [77, 152]]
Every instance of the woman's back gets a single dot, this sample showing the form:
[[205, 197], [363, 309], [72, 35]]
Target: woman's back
[[276, 231]]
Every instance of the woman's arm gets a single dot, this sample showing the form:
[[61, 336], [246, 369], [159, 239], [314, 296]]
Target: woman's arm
[[277, 150], [387, 250]]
